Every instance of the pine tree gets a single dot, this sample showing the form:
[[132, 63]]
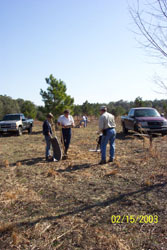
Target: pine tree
[[55, 98]]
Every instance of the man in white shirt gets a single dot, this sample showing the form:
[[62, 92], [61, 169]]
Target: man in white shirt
[[66, 121], [107, 127]]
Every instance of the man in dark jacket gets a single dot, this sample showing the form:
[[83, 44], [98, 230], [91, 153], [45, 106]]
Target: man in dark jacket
[[47, 132]]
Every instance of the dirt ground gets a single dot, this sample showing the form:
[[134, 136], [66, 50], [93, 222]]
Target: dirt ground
[[79, 204]]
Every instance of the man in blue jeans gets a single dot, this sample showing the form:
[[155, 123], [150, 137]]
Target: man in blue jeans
[[47, 132], [107, 127], [66, 121]]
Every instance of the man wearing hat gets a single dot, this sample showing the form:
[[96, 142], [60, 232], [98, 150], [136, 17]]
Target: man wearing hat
[[47, 132], [66, 121], [107, 127]]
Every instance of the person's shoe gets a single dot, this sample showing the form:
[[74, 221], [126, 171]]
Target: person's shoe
[[49, 158], [111, 160], [102, 162], [65, 157], [54, 160]]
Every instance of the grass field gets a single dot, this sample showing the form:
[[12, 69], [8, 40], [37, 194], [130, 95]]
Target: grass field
[[69, 204]]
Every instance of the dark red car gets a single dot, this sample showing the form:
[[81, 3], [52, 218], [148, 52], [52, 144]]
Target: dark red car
[[145, 120]]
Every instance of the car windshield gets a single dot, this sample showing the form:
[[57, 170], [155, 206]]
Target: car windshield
[[11, 118], [146, 113]]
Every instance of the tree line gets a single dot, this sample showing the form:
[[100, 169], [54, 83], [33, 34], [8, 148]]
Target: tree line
[[121, 107], [56, 101], [9, 106]]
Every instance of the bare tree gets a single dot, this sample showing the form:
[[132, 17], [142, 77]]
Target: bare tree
[[150, 17], [151, 20]]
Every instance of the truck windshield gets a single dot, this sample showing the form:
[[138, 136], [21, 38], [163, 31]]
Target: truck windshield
[[146, 113], [11, 118]]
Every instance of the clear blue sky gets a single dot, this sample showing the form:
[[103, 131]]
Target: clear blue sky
[[86, 43]]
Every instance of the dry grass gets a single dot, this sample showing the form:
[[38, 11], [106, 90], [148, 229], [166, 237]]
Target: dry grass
[[68, 204]]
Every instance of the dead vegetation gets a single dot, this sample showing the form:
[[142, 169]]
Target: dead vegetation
[[69, 204]]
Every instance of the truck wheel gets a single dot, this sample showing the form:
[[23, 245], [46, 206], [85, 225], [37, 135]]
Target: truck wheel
[[125, 130], [20, 131], [136, 129], [30, 130]]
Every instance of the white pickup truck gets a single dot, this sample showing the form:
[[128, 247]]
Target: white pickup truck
[[15, 123]]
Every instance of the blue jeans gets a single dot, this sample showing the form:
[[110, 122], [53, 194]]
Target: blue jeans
[[47, 152], [109, 137], [85, 123]]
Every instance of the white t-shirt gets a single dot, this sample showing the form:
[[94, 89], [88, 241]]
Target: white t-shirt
[[66, 121]]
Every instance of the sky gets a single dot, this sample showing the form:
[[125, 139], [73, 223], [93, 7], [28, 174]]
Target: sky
[[88, 44]]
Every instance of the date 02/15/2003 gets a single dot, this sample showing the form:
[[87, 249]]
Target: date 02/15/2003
[[118, 219]]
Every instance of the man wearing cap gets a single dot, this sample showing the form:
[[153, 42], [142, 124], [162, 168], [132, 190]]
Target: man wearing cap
[[47, 132], [107, 127], [66, 121]]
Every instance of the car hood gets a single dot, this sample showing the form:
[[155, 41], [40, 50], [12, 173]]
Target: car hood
[[147, 119], [7, 122]]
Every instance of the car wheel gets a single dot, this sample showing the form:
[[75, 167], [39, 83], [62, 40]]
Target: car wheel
[[30, 130], [136, 128], [20, 131], [124, 129]]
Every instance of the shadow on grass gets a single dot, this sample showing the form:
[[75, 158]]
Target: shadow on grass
[[31, 161], [12, 134], [131, 135], [76, 167], [36, 132], [8, 135], [122, 136], [105, 203]]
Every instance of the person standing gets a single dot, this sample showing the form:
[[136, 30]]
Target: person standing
[[47, 132], [66, 121], [107, 127], [86, 122]]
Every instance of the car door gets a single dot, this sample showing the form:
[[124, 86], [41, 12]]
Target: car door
[[24, 121], [131, 119]]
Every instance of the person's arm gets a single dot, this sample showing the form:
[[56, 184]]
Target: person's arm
[[49, 134], [72, 122], [60, 123], [47, 129], [101, 125]]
